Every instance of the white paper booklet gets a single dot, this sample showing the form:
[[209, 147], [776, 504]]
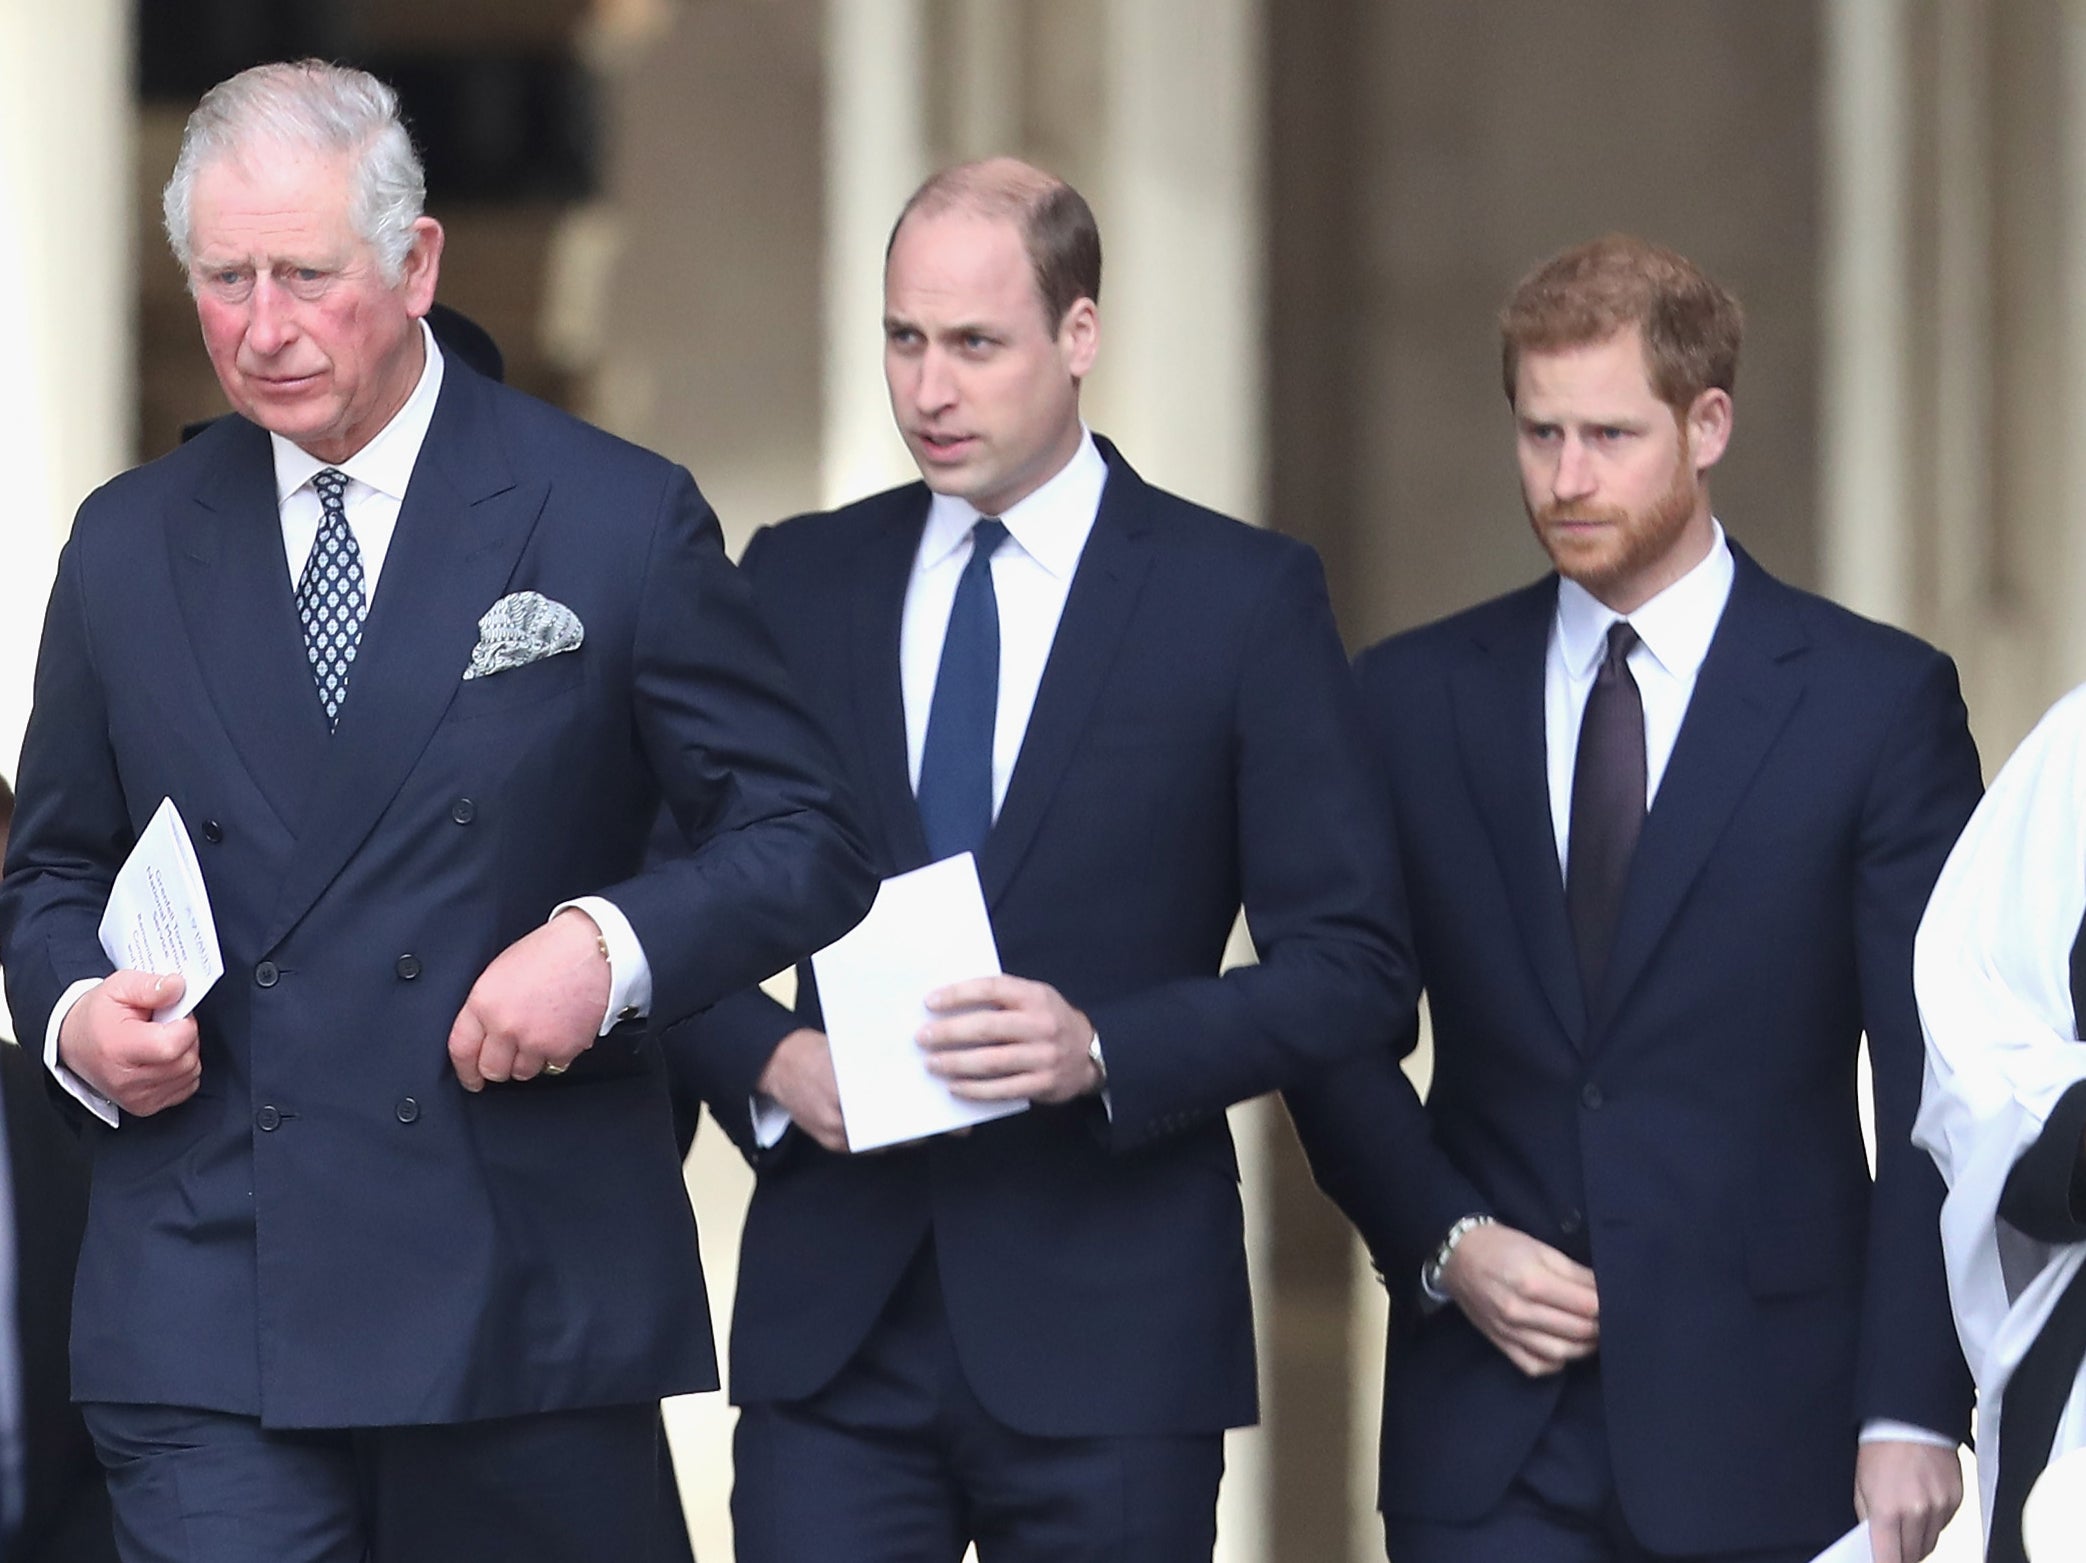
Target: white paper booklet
[[158, 917], [927, 929]]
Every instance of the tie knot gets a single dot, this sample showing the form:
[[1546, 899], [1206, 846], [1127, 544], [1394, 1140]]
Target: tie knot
[[331, 485], [1622, 640], [986, 538]]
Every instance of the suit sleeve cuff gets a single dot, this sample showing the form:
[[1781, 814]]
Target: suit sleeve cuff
[[771, 1121], [1881, 1430], [78, 1089], [629, 973]]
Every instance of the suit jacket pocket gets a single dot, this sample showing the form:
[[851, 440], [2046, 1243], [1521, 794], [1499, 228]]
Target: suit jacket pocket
[[1788, 1258], [532, 683]]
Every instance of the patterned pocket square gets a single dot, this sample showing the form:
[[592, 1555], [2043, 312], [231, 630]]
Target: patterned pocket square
[[521, 628]]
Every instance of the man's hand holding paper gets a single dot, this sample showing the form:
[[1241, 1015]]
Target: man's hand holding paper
[[1007, 1038], [928, 931], [130, 1036], [111, 1040], [799, 1079]]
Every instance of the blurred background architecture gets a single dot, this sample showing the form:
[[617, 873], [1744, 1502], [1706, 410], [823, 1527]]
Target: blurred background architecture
[[671, 213]]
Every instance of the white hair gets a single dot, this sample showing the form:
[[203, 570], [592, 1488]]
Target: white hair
[[317, 107]]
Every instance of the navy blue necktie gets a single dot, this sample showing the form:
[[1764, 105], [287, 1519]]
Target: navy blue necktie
[[955, 792], [1608, 790]]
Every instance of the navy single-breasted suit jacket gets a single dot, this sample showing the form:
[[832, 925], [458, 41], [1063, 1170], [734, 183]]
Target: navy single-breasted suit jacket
[[1194, 745], [1691, 1131], [332, 1232]]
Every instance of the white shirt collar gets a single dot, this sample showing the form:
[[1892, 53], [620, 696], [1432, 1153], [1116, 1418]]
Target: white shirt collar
[[1051, 525], [1676, 626], [386, 462]]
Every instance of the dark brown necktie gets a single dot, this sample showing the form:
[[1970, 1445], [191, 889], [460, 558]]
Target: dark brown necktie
[[1608, 787]]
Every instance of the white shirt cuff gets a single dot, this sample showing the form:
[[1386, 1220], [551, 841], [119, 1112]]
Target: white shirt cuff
[[78, 1089], [771, 1121], [1107, 1101], [629, 973], [1881, 1430]]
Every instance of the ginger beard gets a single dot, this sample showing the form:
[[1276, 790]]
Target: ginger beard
[[1602, 546]]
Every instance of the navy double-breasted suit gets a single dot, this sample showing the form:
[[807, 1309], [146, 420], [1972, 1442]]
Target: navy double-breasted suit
[[331, 1231], [1194, 745], [1692, 1132]]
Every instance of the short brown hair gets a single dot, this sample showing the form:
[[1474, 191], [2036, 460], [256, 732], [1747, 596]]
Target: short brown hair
[[1691, 327], [1057, 226]]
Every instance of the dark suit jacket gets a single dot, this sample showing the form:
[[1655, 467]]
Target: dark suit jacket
[[332, 1232], [66, 1518], [1693, 1133], [1194, 744]]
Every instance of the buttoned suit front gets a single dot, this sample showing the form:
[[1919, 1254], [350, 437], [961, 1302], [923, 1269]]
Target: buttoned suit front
[[1194, 745], [1691, 1130], [331, 1232]]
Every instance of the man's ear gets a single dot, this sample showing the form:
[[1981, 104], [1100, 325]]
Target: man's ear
[[1709, 427], [1079, 336], [423, 266]]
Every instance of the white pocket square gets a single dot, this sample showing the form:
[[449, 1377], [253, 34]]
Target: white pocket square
[[521, 628]]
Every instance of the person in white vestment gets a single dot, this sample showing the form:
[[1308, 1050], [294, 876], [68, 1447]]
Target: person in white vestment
[[1999, 968]]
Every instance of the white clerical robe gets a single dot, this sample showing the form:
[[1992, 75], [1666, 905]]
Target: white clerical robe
[[1992, 971]]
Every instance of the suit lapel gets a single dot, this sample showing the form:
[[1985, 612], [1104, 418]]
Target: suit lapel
[[1750, 683], [1497, 697], [878, 613], [1097, 611], [233, 585], [460, 532]]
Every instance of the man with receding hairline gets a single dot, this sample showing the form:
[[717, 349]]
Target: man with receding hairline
[[1666, 826], [1136, 714], [388, 1257]]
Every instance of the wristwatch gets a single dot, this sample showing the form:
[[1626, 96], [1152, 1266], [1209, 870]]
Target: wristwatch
[[1431, 1271]]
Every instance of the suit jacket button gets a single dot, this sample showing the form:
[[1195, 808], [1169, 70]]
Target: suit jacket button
[[408, 967], [407, 1109], [463, 811], [265, 976], [1571, 1223], [267, 1119], [213, 832], [1590, 1094]]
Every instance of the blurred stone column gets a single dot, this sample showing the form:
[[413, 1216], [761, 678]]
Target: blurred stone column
[[1178, 188], [65, 265], [1866, 285], [876, 153]]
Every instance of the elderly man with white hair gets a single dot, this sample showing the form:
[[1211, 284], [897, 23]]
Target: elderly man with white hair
[[388, 1256]]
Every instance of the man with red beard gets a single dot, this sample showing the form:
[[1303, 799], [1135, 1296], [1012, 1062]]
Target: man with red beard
[[1667, 828]]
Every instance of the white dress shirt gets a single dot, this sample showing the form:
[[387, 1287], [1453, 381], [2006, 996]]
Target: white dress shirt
[[1031, 577], [1674, 630], [378, 475]]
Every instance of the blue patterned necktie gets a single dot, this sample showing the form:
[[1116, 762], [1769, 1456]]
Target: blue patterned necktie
[[330, 599], [955, 793]]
